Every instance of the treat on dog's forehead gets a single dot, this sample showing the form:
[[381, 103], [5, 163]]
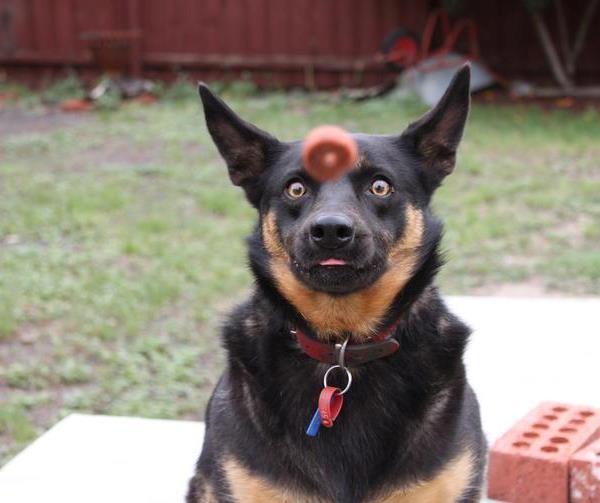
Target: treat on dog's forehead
[[328, 152]]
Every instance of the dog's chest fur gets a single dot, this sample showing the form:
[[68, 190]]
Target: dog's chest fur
[[395, 440]]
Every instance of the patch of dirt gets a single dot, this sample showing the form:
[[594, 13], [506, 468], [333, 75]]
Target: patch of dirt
[[573, 230], [15, 121], [533, 287], [518, 260], [116, 153], [501, 97], [32, 338], [194, 150]]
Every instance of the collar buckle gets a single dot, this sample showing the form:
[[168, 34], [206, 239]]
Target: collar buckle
[[340, 352]]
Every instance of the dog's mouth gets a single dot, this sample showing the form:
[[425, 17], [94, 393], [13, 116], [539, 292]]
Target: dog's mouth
[[333, 262], [336, 275], [326, 264]]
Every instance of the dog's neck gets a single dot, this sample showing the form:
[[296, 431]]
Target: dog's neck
[[412, 264], [354, 315]]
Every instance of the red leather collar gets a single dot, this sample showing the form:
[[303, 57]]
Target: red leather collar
[[355, 354]]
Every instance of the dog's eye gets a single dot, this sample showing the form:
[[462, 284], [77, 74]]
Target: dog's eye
[[295, 190], [381, 187]]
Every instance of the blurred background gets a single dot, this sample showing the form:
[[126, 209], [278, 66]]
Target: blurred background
[[121, 239]]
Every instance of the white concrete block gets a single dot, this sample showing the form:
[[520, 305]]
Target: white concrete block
[[524, 351], [102, 459]]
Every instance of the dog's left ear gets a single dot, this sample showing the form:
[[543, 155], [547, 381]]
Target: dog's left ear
[[436, 135], [244, 147]]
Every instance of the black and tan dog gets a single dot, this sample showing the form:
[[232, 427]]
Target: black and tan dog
[[352, 258]]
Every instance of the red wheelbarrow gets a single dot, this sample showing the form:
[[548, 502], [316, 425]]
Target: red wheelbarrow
[[429, 70]]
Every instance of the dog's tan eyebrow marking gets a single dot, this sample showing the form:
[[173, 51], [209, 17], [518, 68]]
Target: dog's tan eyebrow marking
[[363, 163]]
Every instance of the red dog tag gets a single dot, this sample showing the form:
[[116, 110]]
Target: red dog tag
[[330, 404]]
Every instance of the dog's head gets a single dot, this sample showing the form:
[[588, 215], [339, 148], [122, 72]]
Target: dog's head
[[340, 252]]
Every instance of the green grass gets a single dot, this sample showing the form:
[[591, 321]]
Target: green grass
[[121, 241]]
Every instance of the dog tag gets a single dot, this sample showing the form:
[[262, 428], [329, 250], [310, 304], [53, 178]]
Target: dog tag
[[330, 405], [314, 425]]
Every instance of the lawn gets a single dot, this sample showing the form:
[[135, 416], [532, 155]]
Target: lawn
[[121, 239]]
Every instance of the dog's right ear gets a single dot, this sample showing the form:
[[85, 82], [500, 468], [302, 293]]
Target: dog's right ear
[[436, 135], [244, 147]]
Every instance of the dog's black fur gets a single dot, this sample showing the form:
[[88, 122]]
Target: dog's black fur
[[407, 416]]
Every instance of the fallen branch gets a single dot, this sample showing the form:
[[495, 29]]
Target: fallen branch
[[581, 35], [563, 65], [558, 92], [556, 66], [563, 32]]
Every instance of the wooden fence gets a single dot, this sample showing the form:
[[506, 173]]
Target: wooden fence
[[322, 43]]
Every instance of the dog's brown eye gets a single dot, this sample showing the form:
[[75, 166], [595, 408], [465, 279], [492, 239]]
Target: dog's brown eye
[[295, 190], [381, 188]]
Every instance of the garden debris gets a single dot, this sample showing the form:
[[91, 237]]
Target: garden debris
[[126, 87], [431, 76], [75, 105]]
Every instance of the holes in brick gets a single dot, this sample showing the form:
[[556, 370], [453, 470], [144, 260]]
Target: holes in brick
[[540, 426], [549, 448], [567, 430], [559, 440], [520, 444], [531, 434], [559, 409], [586, 413], [576, 421], [550, 417]]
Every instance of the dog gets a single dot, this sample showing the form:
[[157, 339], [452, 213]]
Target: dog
[[344, 274]]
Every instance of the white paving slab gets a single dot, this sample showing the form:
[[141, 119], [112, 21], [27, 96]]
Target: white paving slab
[[523, 351], [103, 459]]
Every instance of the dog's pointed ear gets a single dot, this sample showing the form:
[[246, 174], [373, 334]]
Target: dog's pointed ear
[[243, 146], [436, 135]]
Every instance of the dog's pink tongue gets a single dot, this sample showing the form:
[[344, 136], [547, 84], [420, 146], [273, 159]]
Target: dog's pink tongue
[[333, 261]]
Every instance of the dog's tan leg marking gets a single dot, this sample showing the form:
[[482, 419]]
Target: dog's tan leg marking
[[248, 488], [359, 312], [209, 495], [445, 487], [204, 492]]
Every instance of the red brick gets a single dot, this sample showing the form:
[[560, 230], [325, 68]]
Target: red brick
[[75, 105], [530, 462], [584, 469]]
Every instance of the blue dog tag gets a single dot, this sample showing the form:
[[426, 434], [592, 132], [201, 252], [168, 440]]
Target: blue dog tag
[[314, 425]]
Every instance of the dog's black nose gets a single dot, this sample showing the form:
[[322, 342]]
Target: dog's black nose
[[332, 231]]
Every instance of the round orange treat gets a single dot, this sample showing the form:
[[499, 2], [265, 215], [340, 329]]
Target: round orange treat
[[328, 152]]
